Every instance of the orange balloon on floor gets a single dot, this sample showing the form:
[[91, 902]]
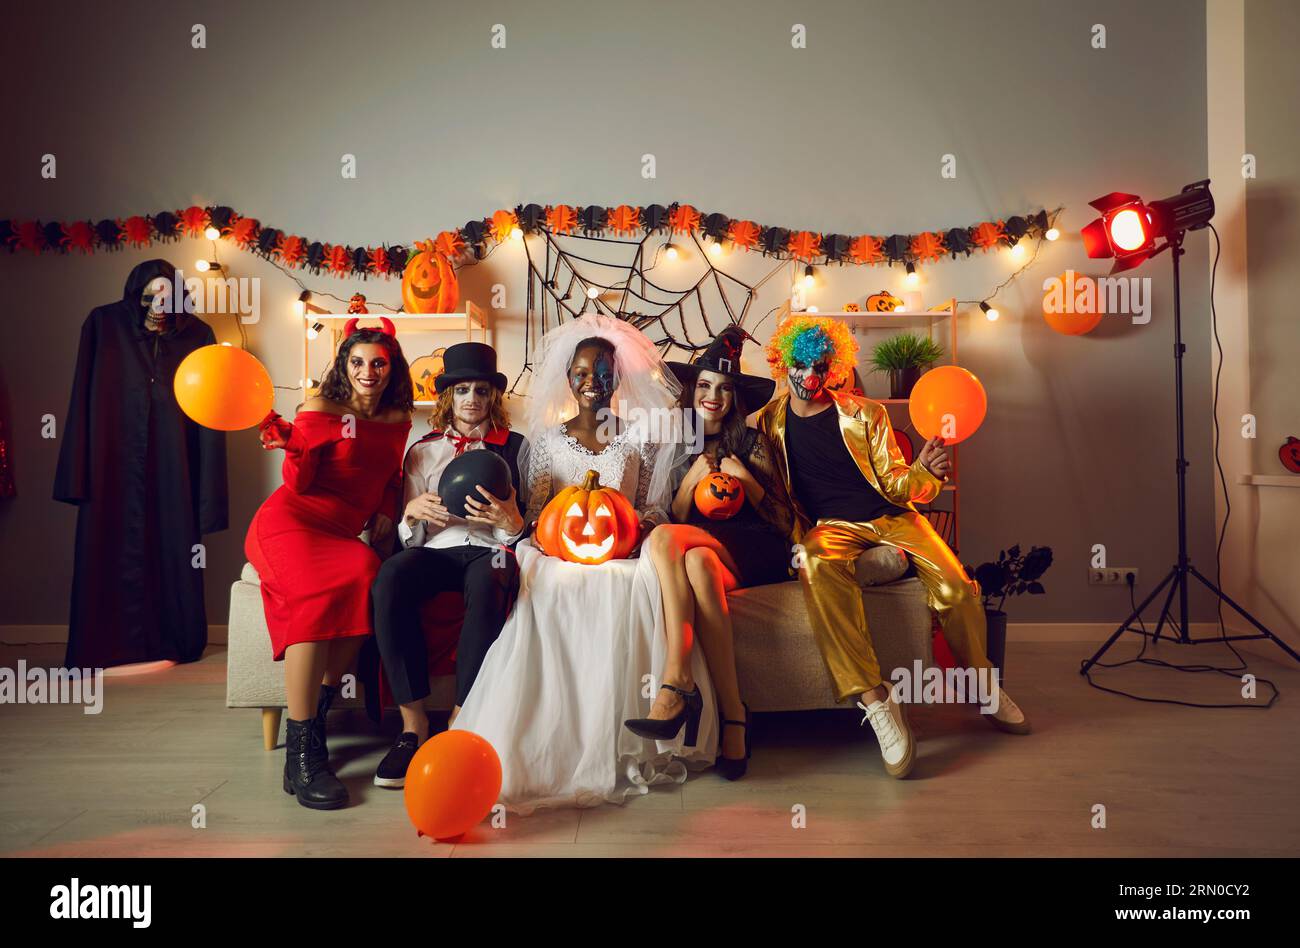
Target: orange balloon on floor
[[452, 783], [948, 401], [223, 387]]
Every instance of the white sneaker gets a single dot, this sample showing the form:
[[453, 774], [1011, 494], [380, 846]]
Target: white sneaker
[[897, 747], [1008, 717]]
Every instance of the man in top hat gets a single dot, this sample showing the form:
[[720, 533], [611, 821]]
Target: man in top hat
[[851, 489], [444, 552]]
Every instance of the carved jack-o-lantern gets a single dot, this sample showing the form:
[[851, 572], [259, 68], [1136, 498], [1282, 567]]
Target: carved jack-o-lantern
[[719, 496], [588, 524], [424, 372], [429, 283]]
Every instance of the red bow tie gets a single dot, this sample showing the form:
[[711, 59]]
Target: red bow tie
[[461, 442]]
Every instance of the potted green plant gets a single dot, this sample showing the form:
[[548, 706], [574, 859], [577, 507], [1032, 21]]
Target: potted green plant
[[905, 357], [1010, 575]]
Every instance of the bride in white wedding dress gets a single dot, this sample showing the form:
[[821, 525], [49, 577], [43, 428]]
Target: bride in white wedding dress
[[578, 655]]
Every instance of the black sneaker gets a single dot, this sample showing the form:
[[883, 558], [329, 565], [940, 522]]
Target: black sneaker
[[392, 769]]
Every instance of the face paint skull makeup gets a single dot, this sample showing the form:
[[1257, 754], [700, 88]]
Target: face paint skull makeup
[[807, 382], [592, 377]]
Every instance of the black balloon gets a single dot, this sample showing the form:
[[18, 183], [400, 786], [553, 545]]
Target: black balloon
[[461, 477]]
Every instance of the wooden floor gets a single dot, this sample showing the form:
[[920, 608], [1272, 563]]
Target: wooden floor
[[1174, 781]]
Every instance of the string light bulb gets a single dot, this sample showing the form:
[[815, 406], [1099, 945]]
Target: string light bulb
[[1052, 233], [989, 311], [670, 251], [314, 330], [211, 233], [300, 305], [715, 249], [516, 233], [912, 278], [809, 276], [1018, 251], [203, 266], [593, 292]]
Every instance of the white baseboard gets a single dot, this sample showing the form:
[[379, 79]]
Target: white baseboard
[[1090, 631], [1099, 632], [17, 635], [12, 635]]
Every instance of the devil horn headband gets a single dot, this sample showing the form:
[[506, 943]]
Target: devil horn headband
[[387, 327]]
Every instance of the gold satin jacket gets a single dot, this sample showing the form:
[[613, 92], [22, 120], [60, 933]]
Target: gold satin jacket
[[869, 436]]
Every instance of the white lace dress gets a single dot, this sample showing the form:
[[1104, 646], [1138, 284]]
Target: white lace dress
[[581, 653]]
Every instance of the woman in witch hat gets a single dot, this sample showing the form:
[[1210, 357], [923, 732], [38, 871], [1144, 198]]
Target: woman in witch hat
[[700, 559]]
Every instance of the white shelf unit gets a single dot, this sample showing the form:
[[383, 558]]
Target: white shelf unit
[[473, 320], [940, 325]]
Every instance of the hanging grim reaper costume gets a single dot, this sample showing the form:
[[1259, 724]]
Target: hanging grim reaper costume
[[147, 482]]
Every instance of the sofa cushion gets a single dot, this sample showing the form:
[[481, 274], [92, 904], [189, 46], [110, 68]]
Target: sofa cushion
[[880, 564], [778, 663]]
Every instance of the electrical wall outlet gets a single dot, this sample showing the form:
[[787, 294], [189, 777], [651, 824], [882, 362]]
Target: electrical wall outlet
[[1113, 576]]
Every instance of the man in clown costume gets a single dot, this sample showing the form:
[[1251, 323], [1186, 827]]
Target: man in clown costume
[[850, 489]]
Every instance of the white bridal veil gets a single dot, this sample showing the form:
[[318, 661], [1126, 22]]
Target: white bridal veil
[[646, 399]]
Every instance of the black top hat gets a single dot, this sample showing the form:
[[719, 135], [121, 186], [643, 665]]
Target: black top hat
[[469, 361], [723, 356]]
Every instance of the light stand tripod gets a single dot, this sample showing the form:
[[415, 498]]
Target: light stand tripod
[[1179, 577]]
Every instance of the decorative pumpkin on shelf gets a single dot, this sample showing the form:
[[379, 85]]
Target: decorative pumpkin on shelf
[[429, 283], [883, 302], [719, 496], [588, 524], [1289, 455], [852, 308], [424, 372]]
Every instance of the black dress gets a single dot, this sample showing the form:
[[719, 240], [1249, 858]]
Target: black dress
[[148, 482], [760, 548]]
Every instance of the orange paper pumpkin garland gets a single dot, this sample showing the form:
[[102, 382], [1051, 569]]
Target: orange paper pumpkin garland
[[588, 524]]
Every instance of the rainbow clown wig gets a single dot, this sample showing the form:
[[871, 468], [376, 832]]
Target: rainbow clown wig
[[813, 339]]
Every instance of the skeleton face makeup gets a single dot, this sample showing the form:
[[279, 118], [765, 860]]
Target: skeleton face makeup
[[592, 378], [808, 381]]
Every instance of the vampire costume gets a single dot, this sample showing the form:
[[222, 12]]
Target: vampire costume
[[460, 556], [147, 481]]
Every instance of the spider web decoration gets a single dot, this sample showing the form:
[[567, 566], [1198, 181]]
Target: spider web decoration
[[558, 282]]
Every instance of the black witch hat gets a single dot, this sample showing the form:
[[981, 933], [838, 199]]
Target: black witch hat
[[723, 356]]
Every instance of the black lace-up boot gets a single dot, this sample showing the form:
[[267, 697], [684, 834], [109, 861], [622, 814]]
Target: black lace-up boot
[[323, 704], [306, 771]]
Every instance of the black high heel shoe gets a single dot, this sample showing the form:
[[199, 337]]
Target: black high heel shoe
[[733, 768], [666, 729]]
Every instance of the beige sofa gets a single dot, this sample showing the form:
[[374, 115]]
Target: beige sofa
[[777, 661]]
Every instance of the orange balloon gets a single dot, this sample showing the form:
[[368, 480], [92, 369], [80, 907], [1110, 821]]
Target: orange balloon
[[223, 387], [452, 784], [1071, 291], [948, 401]]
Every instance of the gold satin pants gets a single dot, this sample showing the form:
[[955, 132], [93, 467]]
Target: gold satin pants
[[834, 597]]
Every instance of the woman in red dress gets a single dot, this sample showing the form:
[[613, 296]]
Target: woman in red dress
[[342, 473]]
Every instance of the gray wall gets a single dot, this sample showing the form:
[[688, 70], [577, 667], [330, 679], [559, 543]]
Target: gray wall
[[1273, 239], [844, 136]]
